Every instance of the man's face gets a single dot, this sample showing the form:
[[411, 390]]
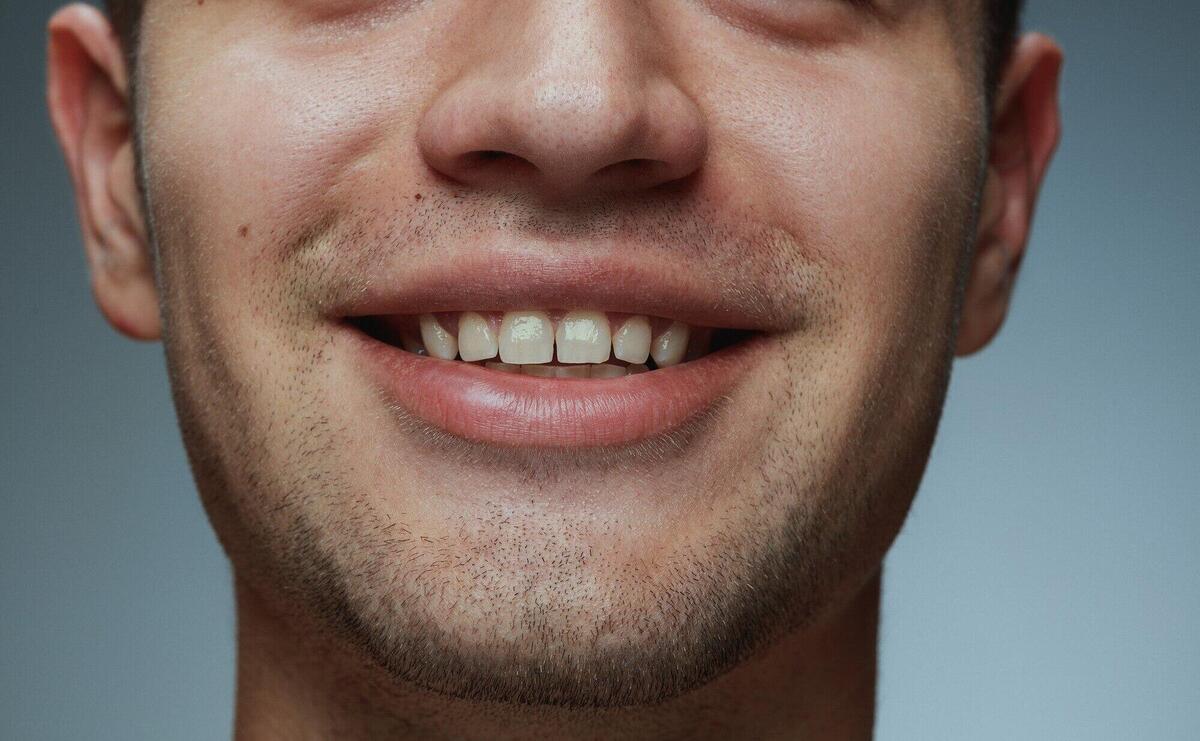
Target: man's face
[[802, 173]]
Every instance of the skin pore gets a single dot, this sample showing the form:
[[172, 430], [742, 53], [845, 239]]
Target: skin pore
[[832, 169]]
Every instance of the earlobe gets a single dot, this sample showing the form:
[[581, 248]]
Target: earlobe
[[87, 95], [1025, 132]]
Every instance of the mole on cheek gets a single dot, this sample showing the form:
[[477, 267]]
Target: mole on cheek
[[244, 229]]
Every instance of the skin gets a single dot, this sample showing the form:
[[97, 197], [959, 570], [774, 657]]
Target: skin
[[842, 161]]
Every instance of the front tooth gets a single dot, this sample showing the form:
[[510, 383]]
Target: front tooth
[[476, 340], [638, 368], [670, 346], [583, 337], [526, 337], [606, 370], [439, 342], [631, 342], [542, 371]]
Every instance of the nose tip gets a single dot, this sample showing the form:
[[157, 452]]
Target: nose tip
[[564, 135]]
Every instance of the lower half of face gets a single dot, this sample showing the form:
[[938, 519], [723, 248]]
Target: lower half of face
[[474, 563], [570, 454]]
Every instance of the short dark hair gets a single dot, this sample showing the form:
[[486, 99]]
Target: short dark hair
[[999, 34], [125, 16], [999, 31]]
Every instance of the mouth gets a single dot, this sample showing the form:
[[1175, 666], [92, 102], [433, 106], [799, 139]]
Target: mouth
[[575, 344], [585, 376]]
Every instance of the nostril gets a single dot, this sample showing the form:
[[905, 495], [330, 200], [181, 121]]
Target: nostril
[[636, 173], [491, 155], [636, 166], [493, 162]]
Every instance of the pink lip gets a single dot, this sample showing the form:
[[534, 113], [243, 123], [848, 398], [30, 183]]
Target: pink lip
[[515, 410]]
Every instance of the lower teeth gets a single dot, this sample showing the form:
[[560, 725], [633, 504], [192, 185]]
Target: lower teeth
[[542, 370]]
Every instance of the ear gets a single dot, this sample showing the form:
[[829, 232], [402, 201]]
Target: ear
[[88, 96], [1025, 131]]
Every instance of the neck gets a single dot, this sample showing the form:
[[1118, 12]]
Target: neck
[[816, 683]]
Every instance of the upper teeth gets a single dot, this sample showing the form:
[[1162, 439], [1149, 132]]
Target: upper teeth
[[526, 337], [532, 338], [631, 342], [669, 347], [438, 342], [583, 337], [476, 338]]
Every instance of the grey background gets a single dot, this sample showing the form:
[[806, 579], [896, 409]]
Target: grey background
[[1045, 586]]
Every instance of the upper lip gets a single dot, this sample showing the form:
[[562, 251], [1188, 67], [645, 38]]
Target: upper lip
[[509, 278]]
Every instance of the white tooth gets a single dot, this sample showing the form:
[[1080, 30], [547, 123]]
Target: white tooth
[[504, 367], [606, 370], [526, 337], [583, 337], [631, 342], [439, 342], [639, 368], [543, 371], [670, 346], [412, 344], [476, 340]]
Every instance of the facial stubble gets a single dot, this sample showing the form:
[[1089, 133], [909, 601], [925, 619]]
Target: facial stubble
[[525, 605]]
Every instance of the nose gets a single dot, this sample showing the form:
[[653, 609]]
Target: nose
[[562, 97]]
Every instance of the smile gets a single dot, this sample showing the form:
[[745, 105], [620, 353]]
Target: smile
[[573, 344], [605, 375]]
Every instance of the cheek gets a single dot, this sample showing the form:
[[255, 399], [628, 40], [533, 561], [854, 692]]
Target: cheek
[[258, 142], [871, 173]]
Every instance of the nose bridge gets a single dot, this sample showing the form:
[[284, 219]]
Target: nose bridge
[[585, 68], [569, 90]]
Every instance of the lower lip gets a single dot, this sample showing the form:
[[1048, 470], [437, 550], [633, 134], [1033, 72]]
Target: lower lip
[[515, 410]]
